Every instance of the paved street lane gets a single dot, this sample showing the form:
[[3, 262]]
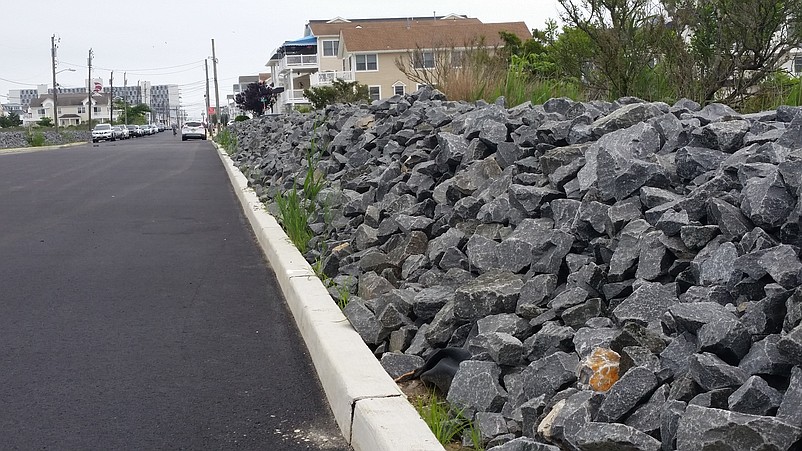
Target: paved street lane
[[137, 312]]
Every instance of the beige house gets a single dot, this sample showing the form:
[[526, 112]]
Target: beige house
[[72, 109], [366, 50]]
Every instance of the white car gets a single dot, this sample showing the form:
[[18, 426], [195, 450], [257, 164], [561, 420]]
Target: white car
[[193, 129], [121, 132], [103, 132]]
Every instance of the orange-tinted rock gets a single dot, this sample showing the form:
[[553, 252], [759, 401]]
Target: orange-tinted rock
[[599, 371]]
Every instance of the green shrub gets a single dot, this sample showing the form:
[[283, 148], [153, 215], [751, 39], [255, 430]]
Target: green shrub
[[340, 91], [45, 122], [36, 139], [241, 118]]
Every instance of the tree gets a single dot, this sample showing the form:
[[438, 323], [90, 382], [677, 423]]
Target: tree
[[257, 97], [340, 91], [12, 120], [731, 46], [133, 114], [623, 36]]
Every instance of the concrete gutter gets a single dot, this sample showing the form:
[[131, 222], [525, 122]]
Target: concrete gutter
[[371, 411]]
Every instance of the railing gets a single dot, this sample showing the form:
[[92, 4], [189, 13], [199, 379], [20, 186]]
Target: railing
[[293, 96], [298, 61], [327, 77]]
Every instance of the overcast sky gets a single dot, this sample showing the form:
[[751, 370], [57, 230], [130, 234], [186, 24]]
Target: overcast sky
[[167, 41]]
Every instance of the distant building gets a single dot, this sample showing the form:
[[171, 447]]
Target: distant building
[[164, 101]]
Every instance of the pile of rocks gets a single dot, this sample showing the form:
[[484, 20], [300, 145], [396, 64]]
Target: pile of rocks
[[15, 139], [662, 240]]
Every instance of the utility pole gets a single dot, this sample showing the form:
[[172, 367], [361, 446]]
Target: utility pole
[[89, 90], [206, 62], [55, 86], [111, 98], [125, 96], [216, 89]]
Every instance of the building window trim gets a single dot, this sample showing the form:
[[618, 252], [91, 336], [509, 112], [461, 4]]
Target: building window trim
[[333, 48], [366, 64], [378, 92], [423, 59], [397, 85]]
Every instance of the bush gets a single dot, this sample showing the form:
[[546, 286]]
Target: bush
[[241, 118], [45, 122], [340, 91], [36, 139]]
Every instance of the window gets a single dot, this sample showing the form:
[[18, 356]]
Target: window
[[82, 109], [375, 92], [399, 89], [423, 60], [330, 48], [41, 112], [420, 86], [367, 62], [798, 65], [456, 58], [96, 109]]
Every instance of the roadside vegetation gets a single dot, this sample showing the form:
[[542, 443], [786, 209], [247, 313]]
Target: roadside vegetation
[[723, 51]]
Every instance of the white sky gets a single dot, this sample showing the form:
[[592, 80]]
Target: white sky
[[167, 41]]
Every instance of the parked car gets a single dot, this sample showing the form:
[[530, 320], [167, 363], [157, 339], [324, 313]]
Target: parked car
[[149, 129], [103, 132], [161, 126], [133, 131], [193, 129], [121, 132]]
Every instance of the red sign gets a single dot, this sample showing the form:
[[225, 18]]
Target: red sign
[[98, 86], [211, 111]]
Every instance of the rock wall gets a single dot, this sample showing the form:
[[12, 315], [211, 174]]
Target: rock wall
[[622, 275], [14, 139]]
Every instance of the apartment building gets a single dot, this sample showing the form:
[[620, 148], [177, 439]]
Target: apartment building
[[366, 50]]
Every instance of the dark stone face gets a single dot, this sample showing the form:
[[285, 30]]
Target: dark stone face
[[522, 239]]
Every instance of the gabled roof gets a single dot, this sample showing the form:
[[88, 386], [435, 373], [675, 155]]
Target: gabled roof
[[428, 35], [333, 27], [70, 99]]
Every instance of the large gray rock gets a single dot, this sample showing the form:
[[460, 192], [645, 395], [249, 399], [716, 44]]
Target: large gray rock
[[612, 436], [710, 372], [790, 345], [548, 375], [755, 397], [476, 388], [646, 305], [489, 294], [789, 410], [703, 428], [635, 386], [624, 117]]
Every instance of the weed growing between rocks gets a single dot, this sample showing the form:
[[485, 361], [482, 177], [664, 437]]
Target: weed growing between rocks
[[447, 423], [227, 140], [36, 139]]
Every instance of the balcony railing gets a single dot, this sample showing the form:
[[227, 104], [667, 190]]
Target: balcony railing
[[298, 62], [327, 77], [293, 96]]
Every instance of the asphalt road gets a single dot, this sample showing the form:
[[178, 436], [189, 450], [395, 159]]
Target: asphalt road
[[137, 312]]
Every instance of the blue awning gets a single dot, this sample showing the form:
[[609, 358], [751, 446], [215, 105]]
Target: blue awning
[[308, 40]]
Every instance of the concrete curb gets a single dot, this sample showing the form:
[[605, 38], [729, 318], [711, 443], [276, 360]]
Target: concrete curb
[[371, 411], [40, 148]]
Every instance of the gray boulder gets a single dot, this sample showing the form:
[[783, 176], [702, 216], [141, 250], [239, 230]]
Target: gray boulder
[[703, 428]]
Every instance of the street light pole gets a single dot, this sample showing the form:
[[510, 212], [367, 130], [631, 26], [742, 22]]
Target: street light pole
[[55, 86]]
